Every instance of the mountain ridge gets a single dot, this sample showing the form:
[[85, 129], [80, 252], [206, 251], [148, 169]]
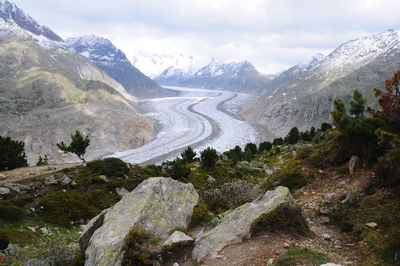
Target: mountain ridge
[[302, 94], [235, 76], [105, 55]]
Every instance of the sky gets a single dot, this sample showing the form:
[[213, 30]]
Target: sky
[[272, 34]]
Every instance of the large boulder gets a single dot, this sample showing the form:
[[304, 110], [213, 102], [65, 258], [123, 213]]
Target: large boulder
[[237, 225], [160, 205]]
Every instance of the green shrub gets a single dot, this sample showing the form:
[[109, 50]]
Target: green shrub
[[209, 157], [12, 154], [78, 260], [301, 256], [9, 212], [65, 207], [177, 169], [15, 236], [200, 213], [290, 176], [387, 172], [230, 195], [343, 171], [112, 167], [22, 200], [136, 248], [284, 218]]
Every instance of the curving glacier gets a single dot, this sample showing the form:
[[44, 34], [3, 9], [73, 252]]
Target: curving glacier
[[198, 118]]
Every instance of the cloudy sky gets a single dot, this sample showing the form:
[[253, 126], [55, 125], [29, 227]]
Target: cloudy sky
[[272, 34]]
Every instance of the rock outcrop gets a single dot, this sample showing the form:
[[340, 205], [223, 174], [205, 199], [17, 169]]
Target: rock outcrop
[[236, 225], [160, 205]]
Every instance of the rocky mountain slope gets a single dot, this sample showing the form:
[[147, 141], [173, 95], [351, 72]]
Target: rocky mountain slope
[[303, 94], [47, 92], [114, 62], [234, 76]]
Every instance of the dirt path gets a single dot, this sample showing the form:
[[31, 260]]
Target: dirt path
[[27, 172], [327, 188]]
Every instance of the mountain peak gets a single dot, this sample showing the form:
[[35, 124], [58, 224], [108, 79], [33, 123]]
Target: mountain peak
[[97, 49], [12, 16], [89, 41]]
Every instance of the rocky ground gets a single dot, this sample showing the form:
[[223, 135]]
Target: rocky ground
[[27, 172]]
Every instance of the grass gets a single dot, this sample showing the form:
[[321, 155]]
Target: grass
[[301, 256]]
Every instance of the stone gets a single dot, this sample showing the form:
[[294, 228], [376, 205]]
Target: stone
[[121, 191], [330, 196], [324, 211], [17, 187], [66, 180], [50, 180], [327, 237], [268, 171], [286, 245], [211, 179], [353, 163], [158, 204], [330, 264], [73, 183], [236, 225], [371, 224], [341, 184], [175, 264], [32, 228], [104, 178], [36, 262], [270, 261], [336, 177], [176, 239], [51, 168], [2, 177], [45, 230], [4, 191]]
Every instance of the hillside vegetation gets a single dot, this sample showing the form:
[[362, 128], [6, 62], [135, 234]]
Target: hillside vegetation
[[345, 180]]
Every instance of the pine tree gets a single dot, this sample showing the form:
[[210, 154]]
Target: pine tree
[[188, 155], [209, 157], [77, 146], [12, 154], [357, 104], [294, 136]]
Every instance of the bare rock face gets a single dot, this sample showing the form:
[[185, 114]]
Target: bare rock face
[[160, 205], [237, 224]]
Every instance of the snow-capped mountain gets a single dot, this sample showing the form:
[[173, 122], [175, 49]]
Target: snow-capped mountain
[[302, 95], [48, 91], [235, 76], [153, 65], [14, 19], [114, 62]]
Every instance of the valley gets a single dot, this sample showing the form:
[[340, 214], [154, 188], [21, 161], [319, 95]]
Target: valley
[[198, 118]]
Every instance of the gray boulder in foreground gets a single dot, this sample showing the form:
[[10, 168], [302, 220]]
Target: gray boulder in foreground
[[160, 205], [236, 225]]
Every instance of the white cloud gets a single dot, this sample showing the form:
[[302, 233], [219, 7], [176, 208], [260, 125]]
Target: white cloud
[[272, 34]]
